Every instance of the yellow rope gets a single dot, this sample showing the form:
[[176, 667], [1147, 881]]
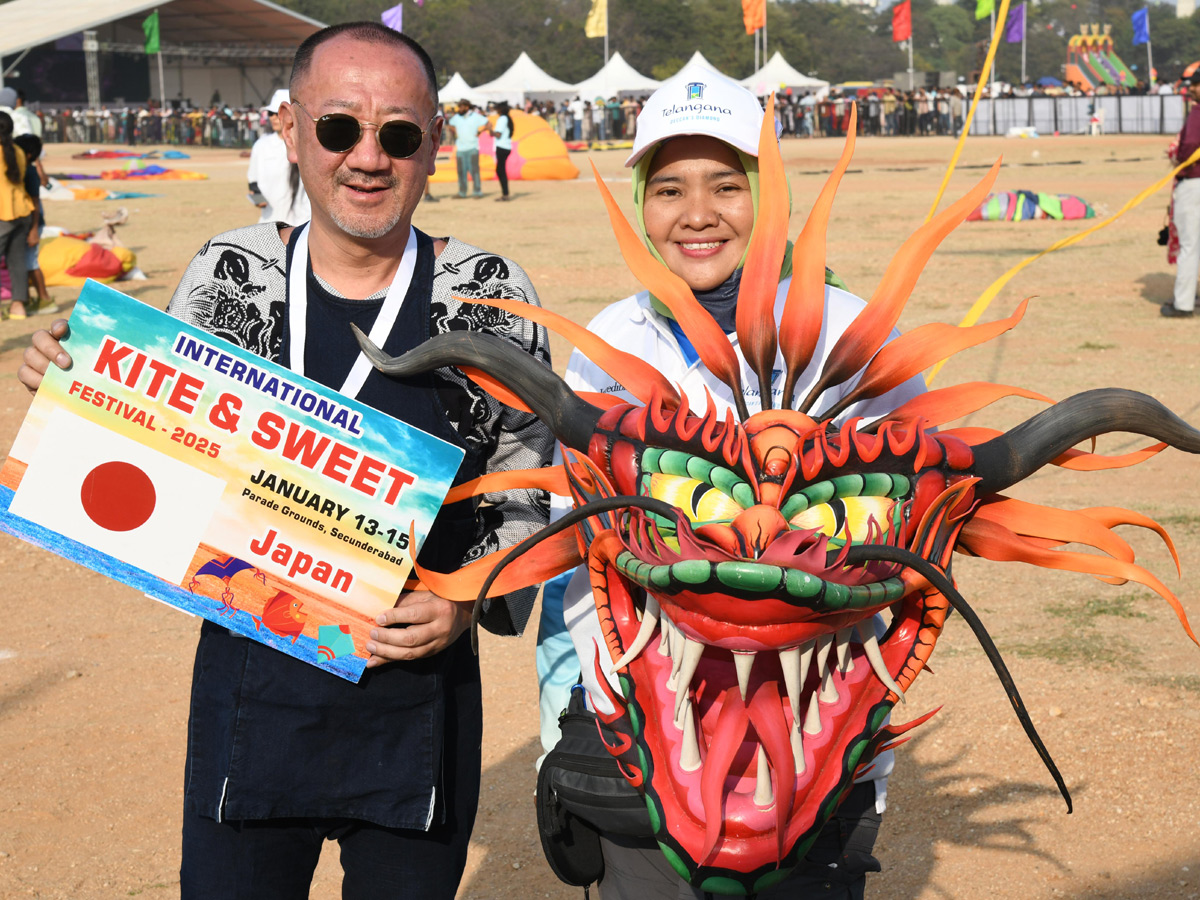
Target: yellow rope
[[1001, 18], [987, 296]]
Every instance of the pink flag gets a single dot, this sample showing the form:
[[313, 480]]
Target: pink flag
[[394, 18]]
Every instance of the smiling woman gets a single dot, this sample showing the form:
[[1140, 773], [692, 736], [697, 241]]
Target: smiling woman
[[697, 195], [697, 209]]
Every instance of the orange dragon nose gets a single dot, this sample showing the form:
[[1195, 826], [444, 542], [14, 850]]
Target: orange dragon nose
[[759, 526]]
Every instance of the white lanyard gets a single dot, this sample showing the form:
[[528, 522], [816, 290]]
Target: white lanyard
[[384, 322]]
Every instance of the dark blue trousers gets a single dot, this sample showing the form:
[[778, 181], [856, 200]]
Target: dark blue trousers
[[274, 859]]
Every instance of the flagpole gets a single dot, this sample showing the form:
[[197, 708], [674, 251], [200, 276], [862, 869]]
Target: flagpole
[[162, 90], [911, 85], [1024, 29], [606, 34], [991, 68], [1149, 56], [764, 39]]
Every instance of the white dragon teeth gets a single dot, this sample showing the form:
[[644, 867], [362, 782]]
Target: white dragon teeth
[[692, 651], [764, 793], [743, 661], [798, 748], [824, 645], [689, 751], [677, 642], [789, 661], [664, 641], [844, 659], [870, 643], [829, 691], [812, 719], [645, 632], [833, 656], [795, 662]]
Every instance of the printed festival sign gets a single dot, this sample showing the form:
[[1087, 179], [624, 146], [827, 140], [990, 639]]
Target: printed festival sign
[[221, 483]]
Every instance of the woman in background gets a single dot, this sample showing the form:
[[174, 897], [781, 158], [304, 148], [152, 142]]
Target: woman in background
[[16, 216], [502, 132], [35, 178]]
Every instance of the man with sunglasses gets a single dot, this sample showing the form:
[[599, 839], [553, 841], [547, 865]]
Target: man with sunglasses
[[282, 756]]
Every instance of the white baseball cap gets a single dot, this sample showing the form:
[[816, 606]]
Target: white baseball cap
[[699, 100], [280, 96]]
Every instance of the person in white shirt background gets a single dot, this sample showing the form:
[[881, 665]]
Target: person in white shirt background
[[274, 177]]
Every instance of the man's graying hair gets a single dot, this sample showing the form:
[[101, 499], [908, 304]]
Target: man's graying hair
[[371, 33]]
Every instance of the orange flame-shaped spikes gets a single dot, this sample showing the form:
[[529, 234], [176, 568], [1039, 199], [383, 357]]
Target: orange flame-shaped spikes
[[872, 325], [947, 404], [904, 357], [760, 275], [800, 325], [702, 329]]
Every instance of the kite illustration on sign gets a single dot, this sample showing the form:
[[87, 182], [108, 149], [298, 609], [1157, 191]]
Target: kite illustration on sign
[[334, 641], [283, 615], [224, 568], [737, 562]]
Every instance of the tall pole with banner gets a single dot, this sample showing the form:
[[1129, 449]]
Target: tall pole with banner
[[153, 45], [902, 31], [986, 9], [597, 24], [754, 17], [1141, 35], [1014, 30]]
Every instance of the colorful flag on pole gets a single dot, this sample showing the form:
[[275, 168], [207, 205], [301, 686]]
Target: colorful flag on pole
[[150, 29], [1141, 26], [902, 21], [597, 20], [754, 14], [1014, 31], [983, 8], [394, 18]]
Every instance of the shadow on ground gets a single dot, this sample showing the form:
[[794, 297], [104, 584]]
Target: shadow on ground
[[1157, 287]]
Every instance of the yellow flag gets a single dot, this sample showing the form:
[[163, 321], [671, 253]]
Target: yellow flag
[[597, 20]]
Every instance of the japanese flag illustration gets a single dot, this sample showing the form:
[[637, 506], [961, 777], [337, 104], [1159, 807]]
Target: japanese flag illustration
[[117, 495]]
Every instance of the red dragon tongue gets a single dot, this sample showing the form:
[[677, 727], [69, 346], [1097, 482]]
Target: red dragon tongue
[[775, 741], [726, 741]]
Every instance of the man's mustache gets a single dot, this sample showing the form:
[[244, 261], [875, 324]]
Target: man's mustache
[[360, 182]]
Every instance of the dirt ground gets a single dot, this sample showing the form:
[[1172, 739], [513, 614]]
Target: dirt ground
[[94, 677]]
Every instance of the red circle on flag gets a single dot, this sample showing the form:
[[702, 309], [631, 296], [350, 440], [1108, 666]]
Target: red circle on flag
[[117, 496]]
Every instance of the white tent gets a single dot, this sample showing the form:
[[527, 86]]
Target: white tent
[[617, 78], [778, 74], [241, 48], [525, 79], [457, 89], [699, 60]]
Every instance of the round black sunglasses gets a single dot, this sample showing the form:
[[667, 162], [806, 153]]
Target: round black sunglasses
[[339, 132]]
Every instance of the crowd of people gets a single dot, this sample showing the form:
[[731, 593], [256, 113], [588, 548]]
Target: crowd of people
[[883, 110]]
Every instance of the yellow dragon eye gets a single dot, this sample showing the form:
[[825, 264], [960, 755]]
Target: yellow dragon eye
[[700, 501], [846, 519]]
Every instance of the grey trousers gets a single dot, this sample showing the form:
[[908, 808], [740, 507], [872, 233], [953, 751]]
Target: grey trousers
[[14, 237]]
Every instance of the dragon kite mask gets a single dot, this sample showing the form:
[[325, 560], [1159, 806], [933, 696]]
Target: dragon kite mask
[[738, 562]]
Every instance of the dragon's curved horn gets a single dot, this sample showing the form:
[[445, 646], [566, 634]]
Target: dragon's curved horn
[[1015, 455], [572, 419]]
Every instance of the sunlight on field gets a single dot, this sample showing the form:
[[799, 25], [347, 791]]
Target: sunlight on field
[[1105, 671]]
